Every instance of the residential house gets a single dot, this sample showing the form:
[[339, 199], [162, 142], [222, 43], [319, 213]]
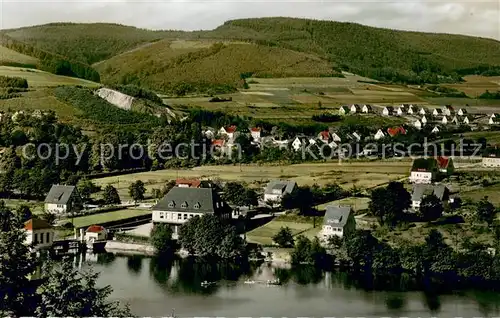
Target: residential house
[[448, 110], [95, 233], [417, 124], [209, 133], [299, 142], [410, 110], [420, 191], [462, 112], [367, 109], [423, 120], [324, 136], [336, 137], [466, 120], [437, 112], [181, 204], [379, 135], [255, 132], [219, 145], [444, 120], [493, 121], [229, 131], [428, 170], [343, 110], [454, 120], [491, 158], [39, 233], [400, 111], [188, 183], [435, 130], [37, 113], [338, 221], [63, 199], [355, 136], [355, 108], [276, 189], [422, 111], [394, 131], [388, 111], [495, 115]]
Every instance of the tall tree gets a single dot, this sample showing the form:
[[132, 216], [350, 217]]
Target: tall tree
[[389, 203], [110, 195], [284, 237], [161, 239], [136, 190], [86, 188], [431, 208], [485, 211]]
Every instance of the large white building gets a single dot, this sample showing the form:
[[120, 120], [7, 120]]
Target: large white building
[[491, 160]]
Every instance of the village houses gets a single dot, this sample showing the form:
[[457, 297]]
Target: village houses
[[379, 135], [343, 110], [422, 111], [491, 158], [417, 124], [255, 133], [230, 132], [388, 111], [366, 109], [355, 108], [462, 112]]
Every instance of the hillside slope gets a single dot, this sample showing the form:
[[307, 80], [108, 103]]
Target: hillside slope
[[186, 66], [12, 58]]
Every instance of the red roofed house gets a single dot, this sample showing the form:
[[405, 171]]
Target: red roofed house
[[255, 132], [228, 131], [95, 233], [39, 233], [427, 170], [324, 136], [218, 143], [188, 183], [445, 165], [394, 131]]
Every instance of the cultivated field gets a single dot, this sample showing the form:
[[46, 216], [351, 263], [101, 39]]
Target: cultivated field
[[347, 174], [37, 78], [8, 56]]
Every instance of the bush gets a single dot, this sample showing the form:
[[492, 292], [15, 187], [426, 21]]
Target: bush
[[326, 118], [15, 82]]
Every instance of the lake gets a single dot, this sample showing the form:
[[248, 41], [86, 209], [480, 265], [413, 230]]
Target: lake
[[156, 288]]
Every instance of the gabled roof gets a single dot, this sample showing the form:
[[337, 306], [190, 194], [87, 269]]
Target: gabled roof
[[218, 142], [337, 215], [255, 129], [389, 108], [95, 229], [368, 106], [438, 110], [230, 129], [443, 162], [59, 194], [36, 224], [450, 108], [286, 185], [464, 111], [193, 183], [393, 131], [421, 190], [199, 200], [325, 135], [345, 108]]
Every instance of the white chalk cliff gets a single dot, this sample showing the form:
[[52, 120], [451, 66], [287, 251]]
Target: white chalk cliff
[[116, 98]]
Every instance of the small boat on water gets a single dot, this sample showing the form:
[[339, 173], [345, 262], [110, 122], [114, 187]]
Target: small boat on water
[[206, 283], [249, 281], [274, 282]]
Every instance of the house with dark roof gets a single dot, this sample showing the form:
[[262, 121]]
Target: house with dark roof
[[355, 108], [338, 221], [181, 204], [63, 199], [344, 110], [491, 158], [420, 191], [388, 111], [276, 189], [39, 233], [366, 109]]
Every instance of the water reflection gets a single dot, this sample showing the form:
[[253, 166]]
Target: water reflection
[[134, 264]]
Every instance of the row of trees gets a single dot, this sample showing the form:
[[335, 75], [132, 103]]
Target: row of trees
[[15, 82]]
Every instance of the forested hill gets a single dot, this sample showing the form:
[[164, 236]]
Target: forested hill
[[388, 55]]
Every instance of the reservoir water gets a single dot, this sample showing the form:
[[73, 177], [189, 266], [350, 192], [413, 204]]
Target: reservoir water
[[154, 287]]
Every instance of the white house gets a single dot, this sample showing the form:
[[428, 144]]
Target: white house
[[95, 233], [417, 124], [466, 120], [39, 233], [336, 137], [387, 111], [422, 111], [400, 111], [454, 120], [343, 110], [355, 108], [181, 204], [276, 189], [230, 132], [462, 112], [63, 199], [356, 136], [410, 110], [298, 142], [435, 130], [366, 109], [423, 120], [255, 132], [494, 115], [444, 121], [437, 112], [491, 160], [338, 221], [379, 135], [448, 110], [492, 121]]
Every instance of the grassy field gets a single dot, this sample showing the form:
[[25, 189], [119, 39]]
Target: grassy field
[[101, 218], [9, 56], [347, 174], [492, 192], [37, 78], [475, 85], [357, 204], [36, 207], [263, 235], [492, 137]]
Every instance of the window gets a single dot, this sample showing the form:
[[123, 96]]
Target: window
[[184, 205], [179, 216], [41, 238], [162, 215], [197, 205], [185, 216], [190, 215], [47, 237], [171, 204], [36, 239]]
